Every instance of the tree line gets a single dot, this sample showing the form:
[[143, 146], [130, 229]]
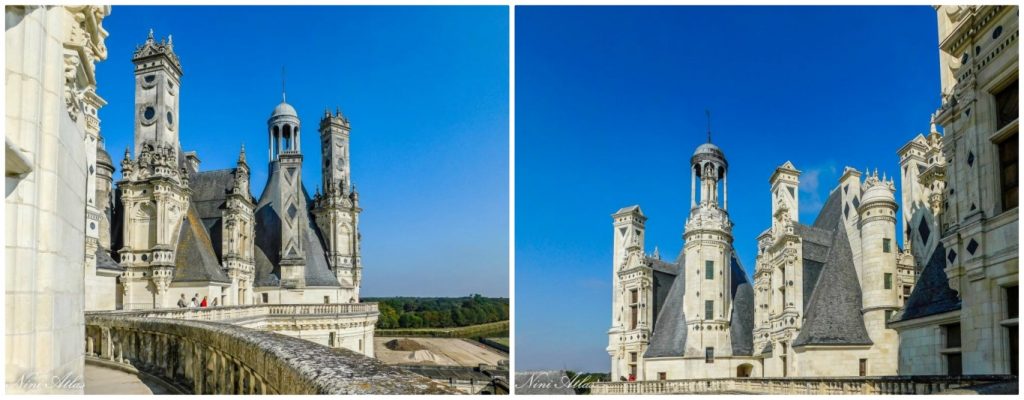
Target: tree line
[[439, 312]]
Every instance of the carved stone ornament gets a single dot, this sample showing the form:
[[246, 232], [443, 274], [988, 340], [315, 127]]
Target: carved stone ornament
[[83, 46]]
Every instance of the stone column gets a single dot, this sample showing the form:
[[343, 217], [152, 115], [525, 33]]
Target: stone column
[[725, 190], [693, 188]]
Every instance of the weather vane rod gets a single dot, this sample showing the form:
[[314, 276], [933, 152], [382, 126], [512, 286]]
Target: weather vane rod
[[283, 87], [708, 112]]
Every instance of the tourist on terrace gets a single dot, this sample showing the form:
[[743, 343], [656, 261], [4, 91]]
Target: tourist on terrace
[[181, 302], [203, 304]]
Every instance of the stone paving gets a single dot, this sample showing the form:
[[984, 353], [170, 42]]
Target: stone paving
[[102, 380]]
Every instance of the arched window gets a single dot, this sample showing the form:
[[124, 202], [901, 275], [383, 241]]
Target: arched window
[[275, 144], [287, 137]]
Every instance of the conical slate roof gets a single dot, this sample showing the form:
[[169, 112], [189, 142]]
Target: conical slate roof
[[195, 260], [833, 313]]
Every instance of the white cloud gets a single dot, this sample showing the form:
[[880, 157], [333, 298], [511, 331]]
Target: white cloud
[[812, 195]]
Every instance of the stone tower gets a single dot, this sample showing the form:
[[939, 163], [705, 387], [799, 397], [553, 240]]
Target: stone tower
[[285, 152], [632, 295], [708, 253], [154, 186], [239, 232], [337, 209], [157, 85], [922, 179], [879, 279]]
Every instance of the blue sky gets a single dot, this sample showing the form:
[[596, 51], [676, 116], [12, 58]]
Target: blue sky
[[610, 105], [426, 90]]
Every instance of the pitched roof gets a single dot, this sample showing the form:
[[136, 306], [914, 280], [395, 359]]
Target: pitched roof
[[831, 213], [268, 239], [104, 261], [669, 336], [741, 329], [932, 294], [833, 313], [195, 260]]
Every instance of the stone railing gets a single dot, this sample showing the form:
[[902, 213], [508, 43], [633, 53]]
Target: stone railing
[[250, 313], [825, 385], [206, 357]]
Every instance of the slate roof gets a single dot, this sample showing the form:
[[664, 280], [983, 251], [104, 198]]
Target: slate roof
[[831, 213], [741, 329], [932, 294], [105, 261], [268, 239], [669, 336], [833, 314], [195, 260], [209, 195]]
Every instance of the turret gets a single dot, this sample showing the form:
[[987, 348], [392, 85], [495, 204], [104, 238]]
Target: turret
[[878, 276], [238, 238], [337, 208], [785, 183], [632, 294], [285, 151], [878, 243], [708, 254], [157, 85]]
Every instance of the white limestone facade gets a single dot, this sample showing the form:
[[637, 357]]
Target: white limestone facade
[[50, 133], [965, 320]]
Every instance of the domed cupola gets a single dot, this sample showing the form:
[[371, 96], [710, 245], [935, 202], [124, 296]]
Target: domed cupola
[[283, 128], [709, 167], [878, 190]]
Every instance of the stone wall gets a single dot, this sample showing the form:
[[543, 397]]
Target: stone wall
[[343, 325], [216, 358], [50, 52]]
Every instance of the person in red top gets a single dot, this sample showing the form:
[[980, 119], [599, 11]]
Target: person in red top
[[203, 304]]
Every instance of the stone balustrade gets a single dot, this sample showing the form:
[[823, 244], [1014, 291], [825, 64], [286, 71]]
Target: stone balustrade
[[823, 385], [253, 312], [205, 357]]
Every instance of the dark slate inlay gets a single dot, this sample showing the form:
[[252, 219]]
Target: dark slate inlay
[[846, 188], [292, 211], [856, 202], [970, 159], [972, 246], [846, 211], [952, 256], [925, 231], [920, 169], [973, 207], [998, 31], [791, 193]]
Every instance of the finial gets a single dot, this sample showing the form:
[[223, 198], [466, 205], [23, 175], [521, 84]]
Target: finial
[[241, 154], [170, 40], [150, 38], [337, 111], [127, 153], [283, 97], [708, 112], [656, 254]]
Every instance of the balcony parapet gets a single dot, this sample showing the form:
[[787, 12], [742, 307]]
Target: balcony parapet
[[206, 357], [925, 384]]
